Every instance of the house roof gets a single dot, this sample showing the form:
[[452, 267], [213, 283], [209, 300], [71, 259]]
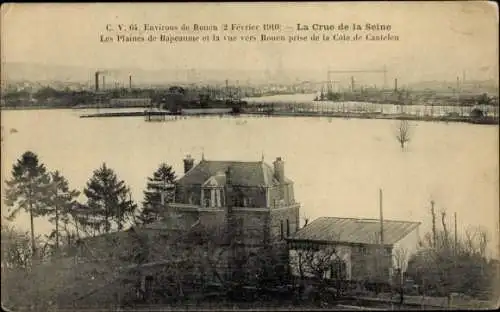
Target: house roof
[[256, 173], [354, 231]]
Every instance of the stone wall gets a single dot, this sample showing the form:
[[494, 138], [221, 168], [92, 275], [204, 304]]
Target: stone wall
[[278, 222], [283, 193], [252, 223]]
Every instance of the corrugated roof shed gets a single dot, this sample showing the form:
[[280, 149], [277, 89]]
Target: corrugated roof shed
[[242, 173], [354, 231]]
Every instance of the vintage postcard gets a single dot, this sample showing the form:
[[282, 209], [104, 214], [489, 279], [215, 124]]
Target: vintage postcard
[[250, 156]]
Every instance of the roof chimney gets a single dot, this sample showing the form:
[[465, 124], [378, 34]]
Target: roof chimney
[[279, 169], [188, 163], [229, 179]]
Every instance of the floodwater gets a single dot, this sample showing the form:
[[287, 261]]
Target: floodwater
[[338, 165]]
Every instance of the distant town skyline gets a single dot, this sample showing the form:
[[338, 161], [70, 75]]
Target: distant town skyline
[[438, 41]]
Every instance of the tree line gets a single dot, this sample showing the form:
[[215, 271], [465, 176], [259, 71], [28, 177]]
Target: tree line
[[449, 263], [107, 205]]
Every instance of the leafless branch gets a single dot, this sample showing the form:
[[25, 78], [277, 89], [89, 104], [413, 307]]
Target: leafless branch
[[403, 133]]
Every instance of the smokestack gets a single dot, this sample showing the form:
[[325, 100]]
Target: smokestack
[[352, 83], [188, 163], [130, 82], [396, 84], [103, 83], [97, 81], [385, 76], [227, 89], [279, 169]]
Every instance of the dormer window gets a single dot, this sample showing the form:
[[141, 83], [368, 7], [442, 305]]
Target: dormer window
[[211, 197]]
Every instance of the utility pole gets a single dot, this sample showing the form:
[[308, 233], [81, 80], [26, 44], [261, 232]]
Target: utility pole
[[381, 220], [328, 78], [381, 254], [434, 237], [385, 77], [456, 237]]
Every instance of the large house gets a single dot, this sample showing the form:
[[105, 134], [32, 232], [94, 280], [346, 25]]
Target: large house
[[254, 198]]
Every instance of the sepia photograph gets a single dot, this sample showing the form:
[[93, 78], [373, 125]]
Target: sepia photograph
[[250, 156]]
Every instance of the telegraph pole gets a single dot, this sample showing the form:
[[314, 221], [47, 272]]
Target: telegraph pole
[[381, 254], [385, 77], [434, 237], [456, 237], [381, 220]]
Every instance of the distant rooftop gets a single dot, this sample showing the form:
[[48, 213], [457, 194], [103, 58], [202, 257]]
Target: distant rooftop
[[354, 231]]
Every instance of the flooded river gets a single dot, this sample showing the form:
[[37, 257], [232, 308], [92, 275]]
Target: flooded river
[[337, 165]]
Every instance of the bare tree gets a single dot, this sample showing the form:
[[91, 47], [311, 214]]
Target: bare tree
[[16, 248], [319, 263], [444, 266], [403, 133], [400, 257]]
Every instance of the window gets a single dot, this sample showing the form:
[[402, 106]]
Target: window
[[219, 199], [338, 269]]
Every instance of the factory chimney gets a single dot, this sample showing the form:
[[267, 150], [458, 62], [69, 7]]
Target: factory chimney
[[96, 81], [352, 83], [395, 84], [103, 83], [130, 82]]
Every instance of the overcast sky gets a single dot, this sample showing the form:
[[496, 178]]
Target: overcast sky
[[437, 40]]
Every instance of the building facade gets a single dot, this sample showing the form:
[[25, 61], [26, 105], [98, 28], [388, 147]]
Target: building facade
[[352, 249], [255, 199]]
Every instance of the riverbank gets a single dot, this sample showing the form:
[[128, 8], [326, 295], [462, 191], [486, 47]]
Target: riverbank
[[482, 121], [479, 121]]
